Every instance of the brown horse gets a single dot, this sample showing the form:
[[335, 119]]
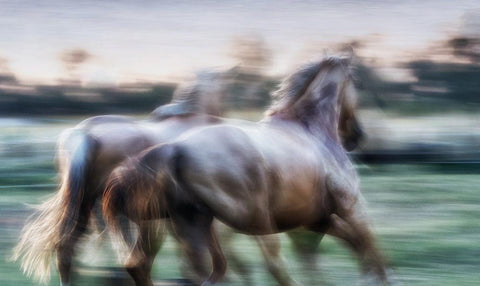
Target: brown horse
[[287, 171], [89, 152], [86, 156]]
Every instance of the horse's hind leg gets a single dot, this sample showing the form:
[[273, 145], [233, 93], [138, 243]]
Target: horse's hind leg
[[65, 253], [196, 233], [356, 233], [139, 264], [65, 248]]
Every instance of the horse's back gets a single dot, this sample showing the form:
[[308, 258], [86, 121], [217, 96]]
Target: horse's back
[[219, 149], [102, 119]]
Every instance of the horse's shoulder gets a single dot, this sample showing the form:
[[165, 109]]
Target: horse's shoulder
[[343, 188], [235, 133], [218, 139]]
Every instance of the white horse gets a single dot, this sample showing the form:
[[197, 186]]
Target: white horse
[[86, 156]]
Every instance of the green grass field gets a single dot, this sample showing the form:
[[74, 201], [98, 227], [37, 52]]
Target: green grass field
[[427, 220]]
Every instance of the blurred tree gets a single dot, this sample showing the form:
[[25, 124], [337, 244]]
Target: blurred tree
[[451, 81], [377, 92], [466, 47], [251, 88], [6, 76], [447, 84], [72, 60], [251, 53], [3, 64]]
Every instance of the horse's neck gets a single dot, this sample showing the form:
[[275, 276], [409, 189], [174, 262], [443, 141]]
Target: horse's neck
[[319, 111], [325, 130], [317, 134], [322, 120], [325, 123], [321, 127]]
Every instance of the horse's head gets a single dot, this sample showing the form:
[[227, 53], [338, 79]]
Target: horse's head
[[322, 96], [332, 92], [213, 90], [349, 128], [205, 95]]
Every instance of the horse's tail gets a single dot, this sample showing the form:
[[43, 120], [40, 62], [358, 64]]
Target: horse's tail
[[136, 191], [55, 220]]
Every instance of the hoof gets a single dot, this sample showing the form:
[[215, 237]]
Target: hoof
[[371, 279], [209, 283]]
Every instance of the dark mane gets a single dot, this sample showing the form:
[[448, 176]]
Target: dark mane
[[295, 85], [200, 96], [186, 100]]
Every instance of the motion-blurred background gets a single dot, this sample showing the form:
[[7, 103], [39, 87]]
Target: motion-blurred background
[[418, 76]]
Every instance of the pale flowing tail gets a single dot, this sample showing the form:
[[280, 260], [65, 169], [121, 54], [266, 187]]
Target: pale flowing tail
[[55, 220]]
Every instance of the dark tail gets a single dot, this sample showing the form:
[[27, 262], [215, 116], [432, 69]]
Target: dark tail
[[55, 220], [74, 192]]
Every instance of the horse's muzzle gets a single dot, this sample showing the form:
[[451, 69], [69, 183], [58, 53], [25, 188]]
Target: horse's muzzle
[[355, 136]]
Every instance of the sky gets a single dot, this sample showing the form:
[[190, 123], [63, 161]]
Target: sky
[[166, 40]]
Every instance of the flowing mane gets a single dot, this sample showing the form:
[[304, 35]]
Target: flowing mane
[[295, 85], [186, 100], [195, 97]]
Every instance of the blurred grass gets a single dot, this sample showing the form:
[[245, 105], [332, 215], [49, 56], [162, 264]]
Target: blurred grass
[[427, 219]]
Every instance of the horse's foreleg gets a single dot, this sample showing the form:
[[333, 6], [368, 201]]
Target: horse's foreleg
[[270, 247], [139, 264], [305, 245], [65, 253], [349, 223], [356, 233]]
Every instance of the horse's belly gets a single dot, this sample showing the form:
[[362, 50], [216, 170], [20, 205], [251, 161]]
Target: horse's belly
[[302, 205], [286, 222], [295, 212]]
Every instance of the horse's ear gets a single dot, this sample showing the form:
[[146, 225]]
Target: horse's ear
[[349, 55]]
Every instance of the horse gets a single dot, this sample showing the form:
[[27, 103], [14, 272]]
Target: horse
[[87, 153], [287, 171]]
